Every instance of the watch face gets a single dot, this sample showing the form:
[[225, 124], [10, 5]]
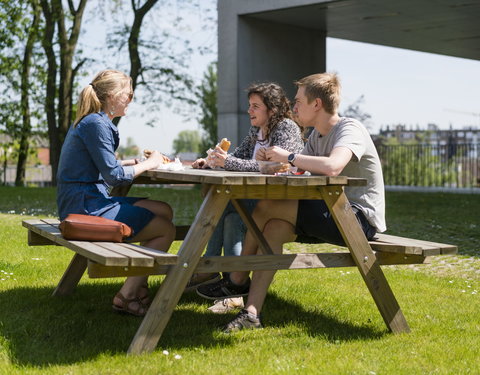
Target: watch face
[[291, 157]]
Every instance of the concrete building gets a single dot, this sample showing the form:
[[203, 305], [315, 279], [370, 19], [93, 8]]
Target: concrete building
[[283, 40]]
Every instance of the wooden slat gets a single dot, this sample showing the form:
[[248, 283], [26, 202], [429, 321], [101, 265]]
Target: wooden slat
[[401, 248], [257, 262], [443, 248], [134, 257], [84, 248], [160, 257]]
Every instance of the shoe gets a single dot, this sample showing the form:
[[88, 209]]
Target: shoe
[[198, 279], [243, 320], [223, 289], [222, 306], [132, 306]]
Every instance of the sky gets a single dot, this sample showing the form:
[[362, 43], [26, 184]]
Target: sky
[[399, 87]]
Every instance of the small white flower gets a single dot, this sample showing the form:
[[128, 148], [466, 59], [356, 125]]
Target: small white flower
[[166, 352], [178, 356]]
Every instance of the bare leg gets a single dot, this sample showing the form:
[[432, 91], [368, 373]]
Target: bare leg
[[276, 232], [266, 210], [158, 234]]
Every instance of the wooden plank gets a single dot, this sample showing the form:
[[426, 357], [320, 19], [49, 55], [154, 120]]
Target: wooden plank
[[84, 248], [34, 239], [178, 275], [71, 276], [427, 245], [134, 257], [401, 248], [160, 257], [364, 258], [275, 192], [256, 262], [252, 226]]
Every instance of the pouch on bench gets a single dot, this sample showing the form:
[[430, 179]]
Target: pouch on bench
[[93, 228]]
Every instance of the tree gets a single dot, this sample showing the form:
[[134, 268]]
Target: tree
[[131, 149], [160, 56], [355, 111], [187, 141], [21, 76], [59, 117], [207, 93]]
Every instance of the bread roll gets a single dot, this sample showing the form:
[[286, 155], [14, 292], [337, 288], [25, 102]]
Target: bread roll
[[224, 144]]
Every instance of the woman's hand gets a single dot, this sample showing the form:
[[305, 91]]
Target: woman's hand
[[217, 158], [277, 154], [199, 163], [260, 155]]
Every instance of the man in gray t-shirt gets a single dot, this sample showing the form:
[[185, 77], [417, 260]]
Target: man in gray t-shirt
[[337, 145]]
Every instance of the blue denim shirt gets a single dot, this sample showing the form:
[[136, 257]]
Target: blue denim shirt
[[88, 166]]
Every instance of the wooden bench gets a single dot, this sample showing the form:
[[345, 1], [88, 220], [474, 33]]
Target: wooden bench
[[107, 259]]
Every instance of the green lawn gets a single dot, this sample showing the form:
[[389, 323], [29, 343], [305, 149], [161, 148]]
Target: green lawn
[[317, 321]]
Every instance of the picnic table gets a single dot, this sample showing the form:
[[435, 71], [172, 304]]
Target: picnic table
[[220, 187]]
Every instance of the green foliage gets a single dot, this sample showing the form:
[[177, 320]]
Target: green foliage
[[416, 164], [187, 141], [354, 110], [131, 149], [208, 105]]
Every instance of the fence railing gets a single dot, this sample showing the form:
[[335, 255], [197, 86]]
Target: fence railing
[[450, 165]]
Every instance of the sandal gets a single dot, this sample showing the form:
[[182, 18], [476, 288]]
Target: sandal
[[143, 295], [138, 308]]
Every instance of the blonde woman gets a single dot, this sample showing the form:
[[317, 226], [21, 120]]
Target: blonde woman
[[88, 167]]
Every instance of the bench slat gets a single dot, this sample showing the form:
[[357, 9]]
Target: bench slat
[[425, 245], [135, 258], [160, 257], [87, 249]]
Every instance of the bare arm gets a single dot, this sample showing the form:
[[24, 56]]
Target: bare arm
[[331, 165]]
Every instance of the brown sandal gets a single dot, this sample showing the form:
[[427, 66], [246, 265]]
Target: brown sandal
[[143, 295], [139, 310]]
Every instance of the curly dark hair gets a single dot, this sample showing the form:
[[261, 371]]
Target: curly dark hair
[[276, 101]]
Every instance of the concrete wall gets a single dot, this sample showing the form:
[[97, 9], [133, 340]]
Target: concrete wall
[[252, 50]]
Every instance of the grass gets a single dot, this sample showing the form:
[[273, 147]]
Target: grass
[[317, 321]]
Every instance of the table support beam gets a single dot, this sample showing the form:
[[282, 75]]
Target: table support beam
[[172, 287], [364, 258]]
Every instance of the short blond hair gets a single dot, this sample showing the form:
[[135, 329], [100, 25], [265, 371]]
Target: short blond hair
[[93, 98], [325, 86]]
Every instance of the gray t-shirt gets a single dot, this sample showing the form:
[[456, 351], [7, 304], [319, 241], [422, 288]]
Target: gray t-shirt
[[365, 163]]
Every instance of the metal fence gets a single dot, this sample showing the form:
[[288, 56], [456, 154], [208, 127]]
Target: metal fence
[[450, 165]]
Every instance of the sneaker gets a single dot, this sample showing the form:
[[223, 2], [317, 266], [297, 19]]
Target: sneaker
[[223, 289], [198, 279], [222, 306], [243, 320]]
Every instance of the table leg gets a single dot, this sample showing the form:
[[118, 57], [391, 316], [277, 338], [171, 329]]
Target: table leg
[[364, 258], [252, 227], [167, 297], [72, 276]]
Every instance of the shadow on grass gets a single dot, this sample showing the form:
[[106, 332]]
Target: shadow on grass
[[40, 330]]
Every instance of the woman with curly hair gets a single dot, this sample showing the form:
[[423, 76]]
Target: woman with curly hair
[[272, 125]]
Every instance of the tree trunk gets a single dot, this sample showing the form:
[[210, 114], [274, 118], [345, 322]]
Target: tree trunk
[[135, 61], [58, 127], [26, 123]]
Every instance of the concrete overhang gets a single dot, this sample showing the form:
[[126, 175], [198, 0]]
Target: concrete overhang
[[447, 27]]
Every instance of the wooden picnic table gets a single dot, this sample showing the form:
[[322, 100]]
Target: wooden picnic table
[[222, 187]]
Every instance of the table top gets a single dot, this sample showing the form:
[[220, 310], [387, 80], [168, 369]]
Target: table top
[[222, 177]]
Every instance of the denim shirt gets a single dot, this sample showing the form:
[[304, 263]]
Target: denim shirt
[[88, 166]]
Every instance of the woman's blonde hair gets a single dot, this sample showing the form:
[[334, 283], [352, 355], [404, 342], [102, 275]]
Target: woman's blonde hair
[[93, 98]]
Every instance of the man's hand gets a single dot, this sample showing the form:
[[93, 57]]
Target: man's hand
[[277, 154]]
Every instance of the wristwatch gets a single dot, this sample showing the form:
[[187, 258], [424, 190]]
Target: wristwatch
[[291, 158]]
